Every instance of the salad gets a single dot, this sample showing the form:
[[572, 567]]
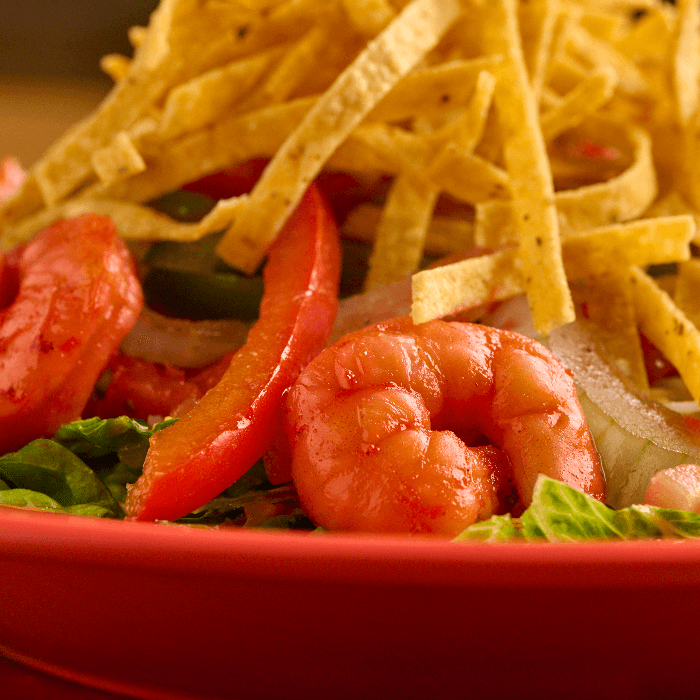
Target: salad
[[424, 267]]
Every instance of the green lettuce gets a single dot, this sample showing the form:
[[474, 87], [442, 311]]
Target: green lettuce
[[46, 468], [559, 513], [83, 469]]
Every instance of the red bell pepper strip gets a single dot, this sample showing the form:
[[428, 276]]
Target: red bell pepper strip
[[234, 424], [77, 297]]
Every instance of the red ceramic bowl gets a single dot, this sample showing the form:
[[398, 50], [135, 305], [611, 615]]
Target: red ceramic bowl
[[163, 612]]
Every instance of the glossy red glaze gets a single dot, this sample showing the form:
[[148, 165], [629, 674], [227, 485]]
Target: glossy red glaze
[[160, 612]]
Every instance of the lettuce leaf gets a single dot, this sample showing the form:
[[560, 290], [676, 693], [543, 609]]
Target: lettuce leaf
[[49, 469], [83, 470], [96, 437], [115, 448], [24, 498], [499, 528], [559, 513]]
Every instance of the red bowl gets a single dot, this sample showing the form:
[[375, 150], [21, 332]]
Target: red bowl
[[166, 612]]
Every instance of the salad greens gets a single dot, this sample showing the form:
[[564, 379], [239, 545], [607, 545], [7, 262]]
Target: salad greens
[[559, 513], [85, 468]]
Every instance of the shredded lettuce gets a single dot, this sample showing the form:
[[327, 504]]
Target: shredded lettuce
[[559, 513]]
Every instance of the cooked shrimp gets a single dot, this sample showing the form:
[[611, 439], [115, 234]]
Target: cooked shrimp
[[390, 427]]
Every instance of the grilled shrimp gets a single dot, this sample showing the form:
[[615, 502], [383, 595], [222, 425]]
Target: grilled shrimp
[[420, 428]]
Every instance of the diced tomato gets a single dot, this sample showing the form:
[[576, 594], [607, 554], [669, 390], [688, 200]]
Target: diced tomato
[[590, 150], [657, 366], [140, 389]]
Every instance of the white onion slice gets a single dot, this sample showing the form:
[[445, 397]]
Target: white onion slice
[[636, 437], [181, 342], [378, 304]]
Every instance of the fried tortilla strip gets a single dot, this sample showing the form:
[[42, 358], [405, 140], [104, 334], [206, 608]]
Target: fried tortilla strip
[[668, 328], [673, 204], [445, 234], [686, 60], [620, 198], [402, 230], [649, 37], [132, 221], [229, 141], [398, 148], [530, 176], [585, 99], [464, 125], [537, 20], [433, 90], [200, 101], [387, 58], [369, 16], [119, 160], [642, 243], [468, 129], [115, 66], [626, 6], [595, 52], [687, 289], [293, 69], [468, 177], [136, 35], [606, 250], [466, 284]]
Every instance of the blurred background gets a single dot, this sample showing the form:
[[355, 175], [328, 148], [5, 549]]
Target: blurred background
[[49, 65]]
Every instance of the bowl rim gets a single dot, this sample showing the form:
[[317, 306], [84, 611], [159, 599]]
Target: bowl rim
[[344, 558]]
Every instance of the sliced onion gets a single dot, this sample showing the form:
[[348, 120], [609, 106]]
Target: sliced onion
[[379, 304], [181, 342], [636, 436]]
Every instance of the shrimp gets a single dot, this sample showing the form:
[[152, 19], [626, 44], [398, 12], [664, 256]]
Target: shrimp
[[421, 428], [77, 295]]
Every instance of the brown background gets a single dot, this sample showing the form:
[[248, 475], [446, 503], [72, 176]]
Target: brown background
[[49, 65]]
